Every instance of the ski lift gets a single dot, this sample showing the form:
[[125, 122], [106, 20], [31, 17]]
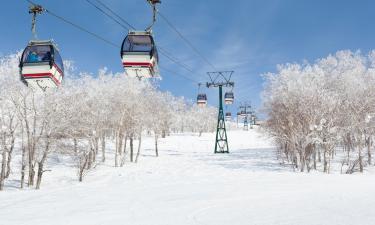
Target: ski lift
[[139, 54], [202, 100], [202, 97], [41, 65], [229, 98], [243, 113], [138, 51], [228, 116]]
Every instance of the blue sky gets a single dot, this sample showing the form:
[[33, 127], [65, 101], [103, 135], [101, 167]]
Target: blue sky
[[248, 36]]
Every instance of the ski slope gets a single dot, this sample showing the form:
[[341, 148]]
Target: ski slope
[[189, 185]]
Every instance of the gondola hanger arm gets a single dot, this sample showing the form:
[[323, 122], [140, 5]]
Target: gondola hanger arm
[[154, 12], [35, 10]]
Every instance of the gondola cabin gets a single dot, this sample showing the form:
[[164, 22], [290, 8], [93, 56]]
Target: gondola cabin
[[202, 100], [41, 66], [228, 116], [229, 98], [139, 55]]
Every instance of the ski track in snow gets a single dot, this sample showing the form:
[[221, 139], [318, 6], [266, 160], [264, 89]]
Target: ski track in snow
[[189, 185]]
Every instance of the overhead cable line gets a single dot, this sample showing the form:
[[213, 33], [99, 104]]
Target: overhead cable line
[[77, 26], [161, 50], [186, 40], [114, 13], [175, 60], [174, 73], [107, 14]]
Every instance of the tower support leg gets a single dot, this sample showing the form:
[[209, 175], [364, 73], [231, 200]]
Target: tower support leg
[[221, 143]]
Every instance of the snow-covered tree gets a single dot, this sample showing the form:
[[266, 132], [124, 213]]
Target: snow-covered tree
[[315, 108]]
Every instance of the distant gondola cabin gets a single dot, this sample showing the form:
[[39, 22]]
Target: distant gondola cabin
[[202, 100], [229, 98], [228, 116]]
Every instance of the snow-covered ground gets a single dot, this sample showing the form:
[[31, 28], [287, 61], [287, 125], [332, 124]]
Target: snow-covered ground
[[188, 184]]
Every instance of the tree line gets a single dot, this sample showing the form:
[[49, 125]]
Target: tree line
[[84, 115]]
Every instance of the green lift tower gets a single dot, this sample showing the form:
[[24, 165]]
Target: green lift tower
[[219, 80]]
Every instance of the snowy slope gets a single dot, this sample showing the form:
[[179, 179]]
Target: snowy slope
[[188, 184]]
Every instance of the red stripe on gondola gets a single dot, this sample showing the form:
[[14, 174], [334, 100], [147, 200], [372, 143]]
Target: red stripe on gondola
[[41, 75], [137, 64], [58, 69]]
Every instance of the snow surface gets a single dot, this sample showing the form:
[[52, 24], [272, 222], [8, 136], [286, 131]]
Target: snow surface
[[188, 184]]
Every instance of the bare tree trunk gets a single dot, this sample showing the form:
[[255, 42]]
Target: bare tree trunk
[[125, 143], [30, 142], [319, 155], [308, 164], [91, 157], [325, 162], [348, 155], [13, 139], [82, 167], [349, 148], [118, 151], [360, 159], [302, 162], [314, 157], [3, 168], [163, 134], [119, 148], [369, 156], [103, 147], [32, 147], [41, 163], [329, 160], [286, 152], [139, 148], [131, 148], [123, 160], [23, 166], [156, 146], [23, 163], [75, 145], [295, 162], [31, 167], [9, 160], [39, 176], [95, 149], [96, 145]]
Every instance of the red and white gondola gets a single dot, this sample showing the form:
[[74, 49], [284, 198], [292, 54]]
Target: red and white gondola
[[228, 116], [229, 98], [139, 55], [41, 65], [202, 100]]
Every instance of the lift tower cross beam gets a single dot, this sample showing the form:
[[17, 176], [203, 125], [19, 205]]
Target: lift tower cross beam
[[219, 80]]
